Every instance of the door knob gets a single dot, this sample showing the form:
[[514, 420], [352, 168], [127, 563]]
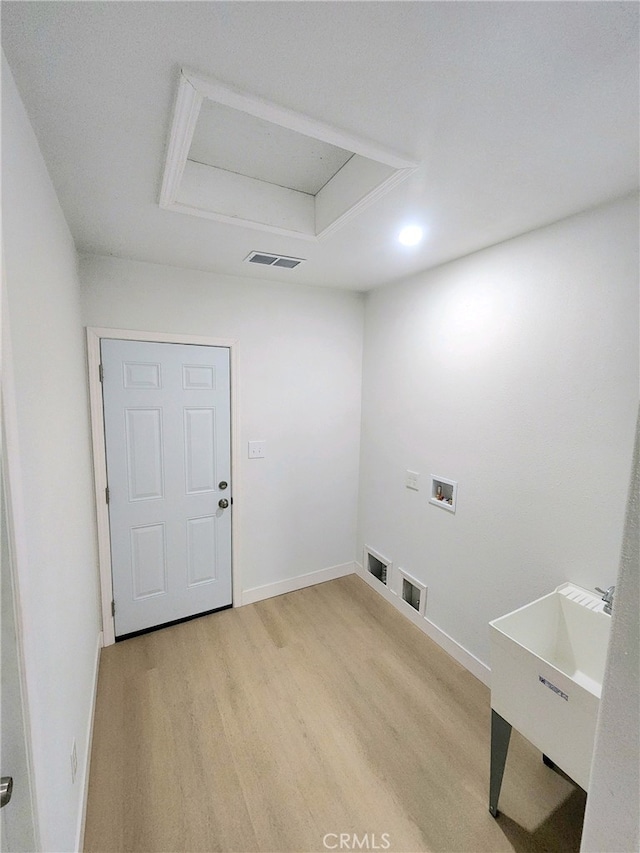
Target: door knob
[[223, 503], [6, 789]]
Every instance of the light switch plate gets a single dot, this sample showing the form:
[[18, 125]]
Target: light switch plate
[[257, 449], [411, 480]]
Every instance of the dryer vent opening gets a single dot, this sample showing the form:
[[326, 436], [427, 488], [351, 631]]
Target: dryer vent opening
[[377, 565], [412, 591], [411, 594]]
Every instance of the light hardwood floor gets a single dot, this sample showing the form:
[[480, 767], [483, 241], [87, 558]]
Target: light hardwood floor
[[268, 727]]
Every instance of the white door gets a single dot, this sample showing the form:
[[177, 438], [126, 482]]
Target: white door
[[167, 433]]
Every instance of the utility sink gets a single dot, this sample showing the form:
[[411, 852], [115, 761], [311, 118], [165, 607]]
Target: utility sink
[[547, 665]]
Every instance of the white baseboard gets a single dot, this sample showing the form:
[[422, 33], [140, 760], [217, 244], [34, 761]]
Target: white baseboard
[[258, 593], [86, 766], [452, 647]]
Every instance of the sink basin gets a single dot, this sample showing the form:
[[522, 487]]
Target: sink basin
[[547, 665]]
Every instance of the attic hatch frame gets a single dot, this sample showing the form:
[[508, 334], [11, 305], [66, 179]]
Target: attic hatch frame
[[214, 193]]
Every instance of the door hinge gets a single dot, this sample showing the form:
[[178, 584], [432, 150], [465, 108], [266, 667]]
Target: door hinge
[[113, 608], [106, 494], [101, 372]]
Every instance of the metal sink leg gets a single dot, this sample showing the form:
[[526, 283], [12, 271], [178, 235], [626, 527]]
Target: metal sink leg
[[500, 736]]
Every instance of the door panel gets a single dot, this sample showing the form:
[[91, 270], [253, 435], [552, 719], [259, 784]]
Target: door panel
[[168, 443], [148, 561], [199, 437], [143, 433], [201, 549]]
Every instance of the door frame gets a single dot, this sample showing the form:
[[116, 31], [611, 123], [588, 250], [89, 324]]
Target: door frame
[[94, 336]]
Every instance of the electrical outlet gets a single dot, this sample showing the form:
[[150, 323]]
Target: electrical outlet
[[257, 449], [411, 480], [74, 761]]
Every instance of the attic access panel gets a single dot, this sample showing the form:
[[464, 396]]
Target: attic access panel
[[238, 142], [242, 160]]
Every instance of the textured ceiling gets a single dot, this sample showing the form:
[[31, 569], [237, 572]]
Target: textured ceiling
[[519, 113]]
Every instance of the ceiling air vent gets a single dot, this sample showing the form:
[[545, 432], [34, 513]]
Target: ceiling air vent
[[273, 260]]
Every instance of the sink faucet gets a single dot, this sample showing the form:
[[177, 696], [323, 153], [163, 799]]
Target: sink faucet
[[607, 597]]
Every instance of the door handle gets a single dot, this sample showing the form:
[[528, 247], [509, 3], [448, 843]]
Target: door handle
[[223, 503], [6, 789]]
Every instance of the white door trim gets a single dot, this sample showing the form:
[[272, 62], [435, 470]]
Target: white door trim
[[94, 335]]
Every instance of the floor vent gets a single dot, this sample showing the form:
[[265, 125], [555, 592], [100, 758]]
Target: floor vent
[[268, 260], [377, 565]]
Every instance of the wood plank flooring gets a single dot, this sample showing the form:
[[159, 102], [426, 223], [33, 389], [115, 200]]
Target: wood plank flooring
[[280, 725]]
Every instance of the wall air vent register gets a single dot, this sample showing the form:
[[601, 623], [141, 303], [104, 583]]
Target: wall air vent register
[[267, 260]]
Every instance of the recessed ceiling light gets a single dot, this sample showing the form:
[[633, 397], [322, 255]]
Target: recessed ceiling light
[[411, 235]]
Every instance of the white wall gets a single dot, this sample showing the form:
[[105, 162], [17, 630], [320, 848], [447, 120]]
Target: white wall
[[515, 372], [300, 373], [49, 470], [612, 822], [17, 829]]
